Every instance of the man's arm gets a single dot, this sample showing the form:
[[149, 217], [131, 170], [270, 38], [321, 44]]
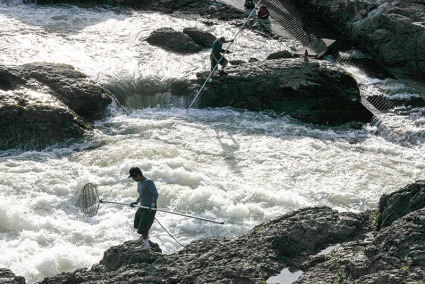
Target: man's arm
[[153, 190], [226, 41]]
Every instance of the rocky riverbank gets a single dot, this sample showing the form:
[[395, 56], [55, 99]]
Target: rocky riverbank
[[393, 32], [385, 245], [44, 104]]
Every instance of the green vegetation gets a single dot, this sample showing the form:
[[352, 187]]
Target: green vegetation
[[21, 107], [340, 275], [375, 216], [406, 266], [261, 228]]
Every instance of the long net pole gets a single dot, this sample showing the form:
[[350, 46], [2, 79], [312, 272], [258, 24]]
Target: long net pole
[[165, 211], [88, 201]]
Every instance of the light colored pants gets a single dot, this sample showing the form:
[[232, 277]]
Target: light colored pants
[[266, 24]]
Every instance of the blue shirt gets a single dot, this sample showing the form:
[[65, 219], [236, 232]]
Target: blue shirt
[[147, 192], [216, 48]]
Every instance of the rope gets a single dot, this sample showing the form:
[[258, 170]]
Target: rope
[[231, 42], [170, 234]]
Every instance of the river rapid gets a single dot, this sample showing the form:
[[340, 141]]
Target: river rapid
[[236, 166]]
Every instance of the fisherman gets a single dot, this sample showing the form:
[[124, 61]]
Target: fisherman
[[148, 197], [249, 9], [216, 50], [263, 18]]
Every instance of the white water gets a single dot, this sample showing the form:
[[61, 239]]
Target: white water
[[237, 166]]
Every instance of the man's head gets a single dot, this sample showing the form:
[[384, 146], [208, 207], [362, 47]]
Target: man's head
[[222, 39], [135, 173]]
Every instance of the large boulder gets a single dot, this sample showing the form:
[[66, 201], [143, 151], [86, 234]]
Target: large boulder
[[400, 203], [191, 40], [43, 104], [200, 37], [172, 40], [317, 91], [86, 98], [7, 277], [392, 255], [31, 120], [392, 31]]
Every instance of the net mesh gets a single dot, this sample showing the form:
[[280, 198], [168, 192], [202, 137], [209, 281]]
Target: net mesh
[[88, 201]]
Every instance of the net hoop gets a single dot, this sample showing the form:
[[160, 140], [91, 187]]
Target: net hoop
[[88, 201]]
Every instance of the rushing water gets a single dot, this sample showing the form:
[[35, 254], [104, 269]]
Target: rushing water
[[239, 167]]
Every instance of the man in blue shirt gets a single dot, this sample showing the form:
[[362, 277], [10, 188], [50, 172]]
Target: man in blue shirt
[[216, 50], [148, 197]]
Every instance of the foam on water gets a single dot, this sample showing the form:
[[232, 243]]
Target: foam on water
[[213, 166], [239, 167]]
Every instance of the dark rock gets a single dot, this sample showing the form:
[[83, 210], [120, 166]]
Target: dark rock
[[251, 59], [7, 277], [200, 37], [9, 80], [237, 62], [316, 92], [251, 258], [71, 87], [174, 41], [393, 255], [47, 104], [179, 88], [399, 203], [280, 55], [211, 9], [206, 8], [128, 253], [29, 123], [391, 31]]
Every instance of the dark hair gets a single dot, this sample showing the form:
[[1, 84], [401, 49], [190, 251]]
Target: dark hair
[[134, 171]]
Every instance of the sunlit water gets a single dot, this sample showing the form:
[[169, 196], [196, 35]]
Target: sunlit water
[[239, 167]]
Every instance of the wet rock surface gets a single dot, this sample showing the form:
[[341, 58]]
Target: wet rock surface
[[7, 277], [247, 259], [43, 104], [172, 40], [316, 92], [391, 31]]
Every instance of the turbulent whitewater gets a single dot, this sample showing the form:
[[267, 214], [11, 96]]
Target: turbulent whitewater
[[236, 166]]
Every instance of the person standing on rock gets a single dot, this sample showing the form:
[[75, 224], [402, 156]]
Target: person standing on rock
[[148, 197], [216, 56], [263, 18], [249, 6]]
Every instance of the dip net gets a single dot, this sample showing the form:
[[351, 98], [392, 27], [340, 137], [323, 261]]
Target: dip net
[[88, 200]]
